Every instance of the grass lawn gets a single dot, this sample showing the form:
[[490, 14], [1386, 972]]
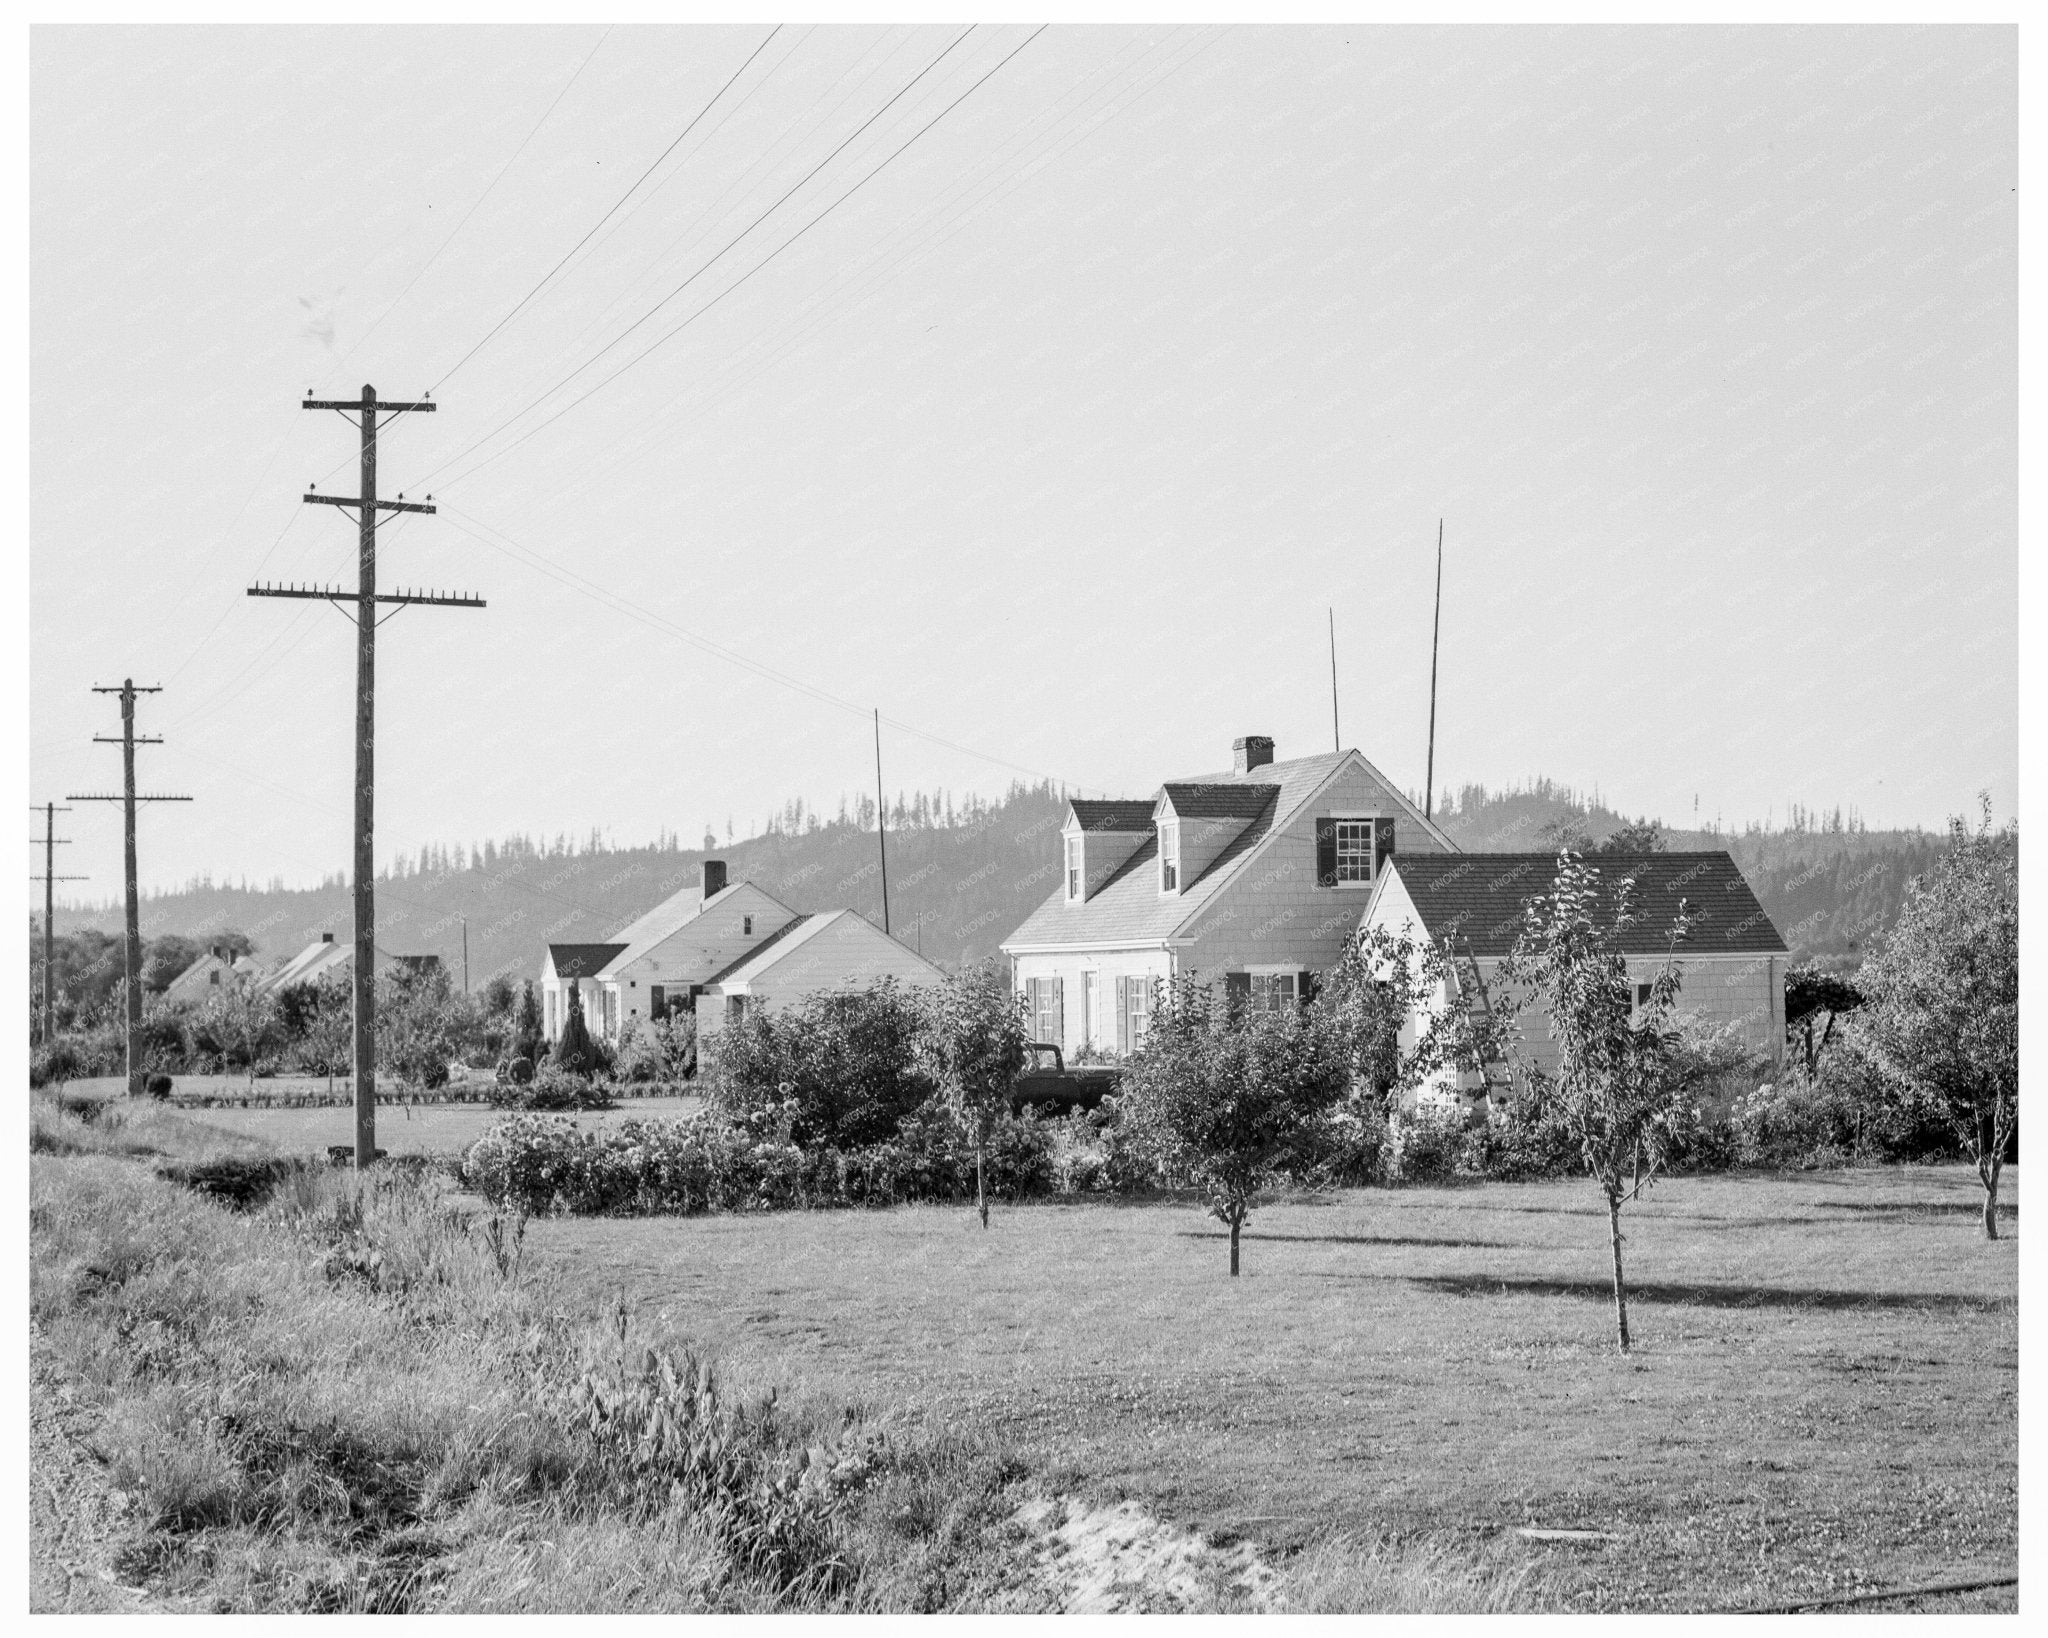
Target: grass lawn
[[427, 1128], [1823, 1395]]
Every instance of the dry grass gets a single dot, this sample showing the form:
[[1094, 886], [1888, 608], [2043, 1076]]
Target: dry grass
[[1823, 1396]]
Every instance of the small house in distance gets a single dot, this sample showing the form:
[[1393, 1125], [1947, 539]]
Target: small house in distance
[[311, 964], [1254, 878], [206, 976], [714, 950], [1732, 965]]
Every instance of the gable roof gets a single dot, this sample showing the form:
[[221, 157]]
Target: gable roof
[[1475, 900], [1112, 814], [1244, 802], [670, 917], [809, 922], [1128, 910], [315, 959], [582, 960]]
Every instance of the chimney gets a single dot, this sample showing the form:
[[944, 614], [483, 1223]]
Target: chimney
[[1253, 751], [714, 877]]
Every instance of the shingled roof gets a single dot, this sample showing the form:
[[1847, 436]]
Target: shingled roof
[[1129, 909], [582, 960], [1114, 814], [1475, 900], [1241, 802]]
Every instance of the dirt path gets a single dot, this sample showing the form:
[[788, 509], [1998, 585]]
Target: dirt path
[[76, 1516], [1118, 1560]]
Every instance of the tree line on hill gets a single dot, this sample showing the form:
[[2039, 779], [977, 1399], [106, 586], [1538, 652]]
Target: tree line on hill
[[963, 871]]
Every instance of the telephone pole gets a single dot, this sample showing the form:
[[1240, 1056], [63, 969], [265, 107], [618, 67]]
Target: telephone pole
[[128, 799], [365, 599], [49, 878]]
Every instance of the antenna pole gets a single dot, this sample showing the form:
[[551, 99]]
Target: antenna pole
[[1336, 736], [881, 819], [1435, 625]]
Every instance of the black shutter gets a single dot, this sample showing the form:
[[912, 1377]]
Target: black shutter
[[1237, 994], [1326, 853], [1382, 845], [1306, 985], [1123, 1015]]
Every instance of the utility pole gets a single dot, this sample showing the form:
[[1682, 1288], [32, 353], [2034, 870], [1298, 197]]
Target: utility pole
[[465, 953], [49, 878], [128, 799], [881, 819], [365, 599], [1435, 625]]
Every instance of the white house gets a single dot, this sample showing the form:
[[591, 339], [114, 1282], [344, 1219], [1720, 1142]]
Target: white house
[[833, 950], [314, 962], [218, 967], [1255, 877], [1732, 964], [718, 940]]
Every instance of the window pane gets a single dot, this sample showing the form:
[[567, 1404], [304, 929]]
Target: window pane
[[1354, 850]]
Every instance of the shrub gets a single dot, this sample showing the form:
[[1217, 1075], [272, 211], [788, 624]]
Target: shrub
[[846, 1062], [159, 1085], [575, 1053], [1348, 1147], [242, 1182], [1425, 1144], [58, 1061]]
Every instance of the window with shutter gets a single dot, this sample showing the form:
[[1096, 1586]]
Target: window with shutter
[[1326, 853], [1058, 1037], [1382, 844], [1169, 858], [1073, 868], [1273, 992], [1237, 993]]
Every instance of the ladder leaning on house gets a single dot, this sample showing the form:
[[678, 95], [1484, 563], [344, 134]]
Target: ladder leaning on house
[[1479, 1008]]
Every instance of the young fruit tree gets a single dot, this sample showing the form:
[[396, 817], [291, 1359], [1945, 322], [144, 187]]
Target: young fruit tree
[[1366, 1001], [1943, 1011], [1617, 1088], [973, 1042], [1235, 1094]]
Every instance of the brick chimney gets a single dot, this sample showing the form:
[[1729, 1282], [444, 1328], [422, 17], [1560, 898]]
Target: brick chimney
[[1253, 751], [714, 877]]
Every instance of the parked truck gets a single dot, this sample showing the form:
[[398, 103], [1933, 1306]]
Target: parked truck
[[1046, 1083]]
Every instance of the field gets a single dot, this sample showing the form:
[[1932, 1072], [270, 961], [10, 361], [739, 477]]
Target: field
[[1823, 1396], [426, 1128]]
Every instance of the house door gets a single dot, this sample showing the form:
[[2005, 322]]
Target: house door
[[1091, 1007]]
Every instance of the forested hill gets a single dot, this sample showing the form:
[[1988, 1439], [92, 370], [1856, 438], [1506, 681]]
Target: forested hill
[[960, 878]]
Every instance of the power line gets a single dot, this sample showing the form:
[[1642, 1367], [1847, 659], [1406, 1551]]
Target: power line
[[707, 265], [677, 329], [357, 345], [532, 559], [448, 374]]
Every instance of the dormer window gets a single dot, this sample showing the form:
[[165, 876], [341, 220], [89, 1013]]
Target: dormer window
[[1073, 869], [1352, 849], [1169, 857]]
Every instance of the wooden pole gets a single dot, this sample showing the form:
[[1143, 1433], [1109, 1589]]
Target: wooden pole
[[366, 752], [465, 955], [1336, 736], [881, 819], [366, 598], [133, 942], [49, 918], [1435, 625]]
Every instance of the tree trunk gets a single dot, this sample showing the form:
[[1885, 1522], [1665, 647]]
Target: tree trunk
[[1989, 1173], [981, 1181], [1235, 1224], [1620, 1289]]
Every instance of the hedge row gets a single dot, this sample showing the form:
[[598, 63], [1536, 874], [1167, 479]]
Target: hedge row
[[704, 1163]]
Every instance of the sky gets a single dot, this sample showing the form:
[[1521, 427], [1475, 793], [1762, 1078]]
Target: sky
[[1053, 393]]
